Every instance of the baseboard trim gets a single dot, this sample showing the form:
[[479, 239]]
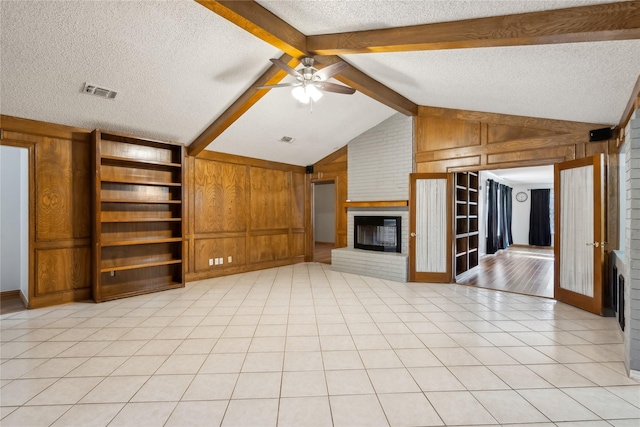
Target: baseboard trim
[[8, 295], [517, 245], [24, 300]]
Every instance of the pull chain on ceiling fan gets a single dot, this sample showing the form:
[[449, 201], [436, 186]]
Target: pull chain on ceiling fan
[[311, 82]]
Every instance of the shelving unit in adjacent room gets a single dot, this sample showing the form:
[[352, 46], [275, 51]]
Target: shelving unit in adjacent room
[[138, 206], [466, 221]]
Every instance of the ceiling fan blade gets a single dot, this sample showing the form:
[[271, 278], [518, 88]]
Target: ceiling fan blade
[[277, 62], [279, 85], [331, 70], [332, 87]]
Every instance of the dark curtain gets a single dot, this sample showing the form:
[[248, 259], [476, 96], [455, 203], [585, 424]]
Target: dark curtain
[[499, 212], [492, 217], [508, 212], [539, 223]]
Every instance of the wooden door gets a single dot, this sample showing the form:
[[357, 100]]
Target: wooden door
[[580, 233], [430, 239]]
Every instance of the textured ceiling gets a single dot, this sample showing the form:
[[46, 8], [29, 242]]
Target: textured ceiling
[[313, 17], [174, 64], [584, 82], [335, 120], [177, 66]]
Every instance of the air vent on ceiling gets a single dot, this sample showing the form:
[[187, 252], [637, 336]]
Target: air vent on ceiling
[[99, 91], [287, 139]]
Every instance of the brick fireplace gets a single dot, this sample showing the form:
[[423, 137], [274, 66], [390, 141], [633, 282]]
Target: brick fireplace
[[380, 161]]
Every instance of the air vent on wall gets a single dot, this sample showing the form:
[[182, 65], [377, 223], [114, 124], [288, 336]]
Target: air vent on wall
[[99, 91], [287, 139]]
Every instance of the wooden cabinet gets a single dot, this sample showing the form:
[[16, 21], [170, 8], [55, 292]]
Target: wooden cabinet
[[138, 211], [466, 221]]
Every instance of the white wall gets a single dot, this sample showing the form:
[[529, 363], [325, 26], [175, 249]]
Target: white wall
[[14, 219], [380, 161], [324, 212], [632, 245], [520, 215]]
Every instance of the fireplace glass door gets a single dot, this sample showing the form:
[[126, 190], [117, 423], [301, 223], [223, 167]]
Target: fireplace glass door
[[377, 233]]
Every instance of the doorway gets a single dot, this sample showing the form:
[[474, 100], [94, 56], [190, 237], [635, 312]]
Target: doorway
[[521, 264], [14, 228], [324, 220]]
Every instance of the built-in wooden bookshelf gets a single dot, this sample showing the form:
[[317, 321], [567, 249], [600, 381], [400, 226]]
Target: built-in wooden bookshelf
[[466, 221], [138, 207]]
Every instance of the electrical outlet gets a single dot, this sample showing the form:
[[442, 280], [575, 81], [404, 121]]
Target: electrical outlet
[[229, 259], [210, 261]]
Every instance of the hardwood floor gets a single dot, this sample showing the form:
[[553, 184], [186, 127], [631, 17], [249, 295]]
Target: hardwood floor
[[522, 270], [12, 305], [322, 252]]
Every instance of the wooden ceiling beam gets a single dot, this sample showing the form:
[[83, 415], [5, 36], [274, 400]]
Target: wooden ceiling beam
[[263, 24], [632, 105], [252, 95], [372, 88], [602, 22], [257, 20]]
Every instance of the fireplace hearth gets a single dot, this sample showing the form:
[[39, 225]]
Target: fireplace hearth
[[377, 233]]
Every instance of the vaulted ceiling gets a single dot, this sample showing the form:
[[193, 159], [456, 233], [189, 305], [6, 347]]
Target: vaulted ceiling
[[187, 70]]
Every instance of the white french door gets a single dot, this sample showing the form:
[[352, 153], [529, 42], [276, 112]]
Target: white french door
[[580, 233], [430, 240]]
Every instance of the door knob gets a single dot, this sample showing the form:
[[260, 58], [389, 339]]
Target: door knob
[[596, 244], [413, 234]]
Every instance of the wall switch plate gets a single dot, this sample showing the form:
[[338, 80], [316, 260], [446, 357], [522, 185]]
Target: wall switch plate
[[210, 261], [221, 260], [113, 273], [217, 261], [229, 259]]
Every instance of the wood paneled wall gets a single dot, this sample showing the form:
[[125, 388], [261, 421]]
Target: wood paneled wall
[[251, 210], [333, 168], [259, 212], [451, 140], [457, 140], [60, 209], [254, 211]]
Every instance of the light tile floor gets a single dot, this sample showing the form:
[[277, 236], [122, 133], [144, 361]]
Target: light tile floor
[[305, 346]]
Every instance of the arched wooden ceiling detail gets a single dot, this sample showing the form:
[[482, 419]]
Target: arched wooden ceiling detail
[[601, 22]]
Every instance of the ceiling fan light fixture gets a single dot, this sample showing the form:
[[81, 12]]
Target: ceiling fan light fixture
[[306, 93], [300, 94], [311, 83], [313, 92]]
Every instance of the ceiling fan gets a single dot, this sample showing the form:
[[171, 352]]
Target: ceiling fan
[[310, 82]]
